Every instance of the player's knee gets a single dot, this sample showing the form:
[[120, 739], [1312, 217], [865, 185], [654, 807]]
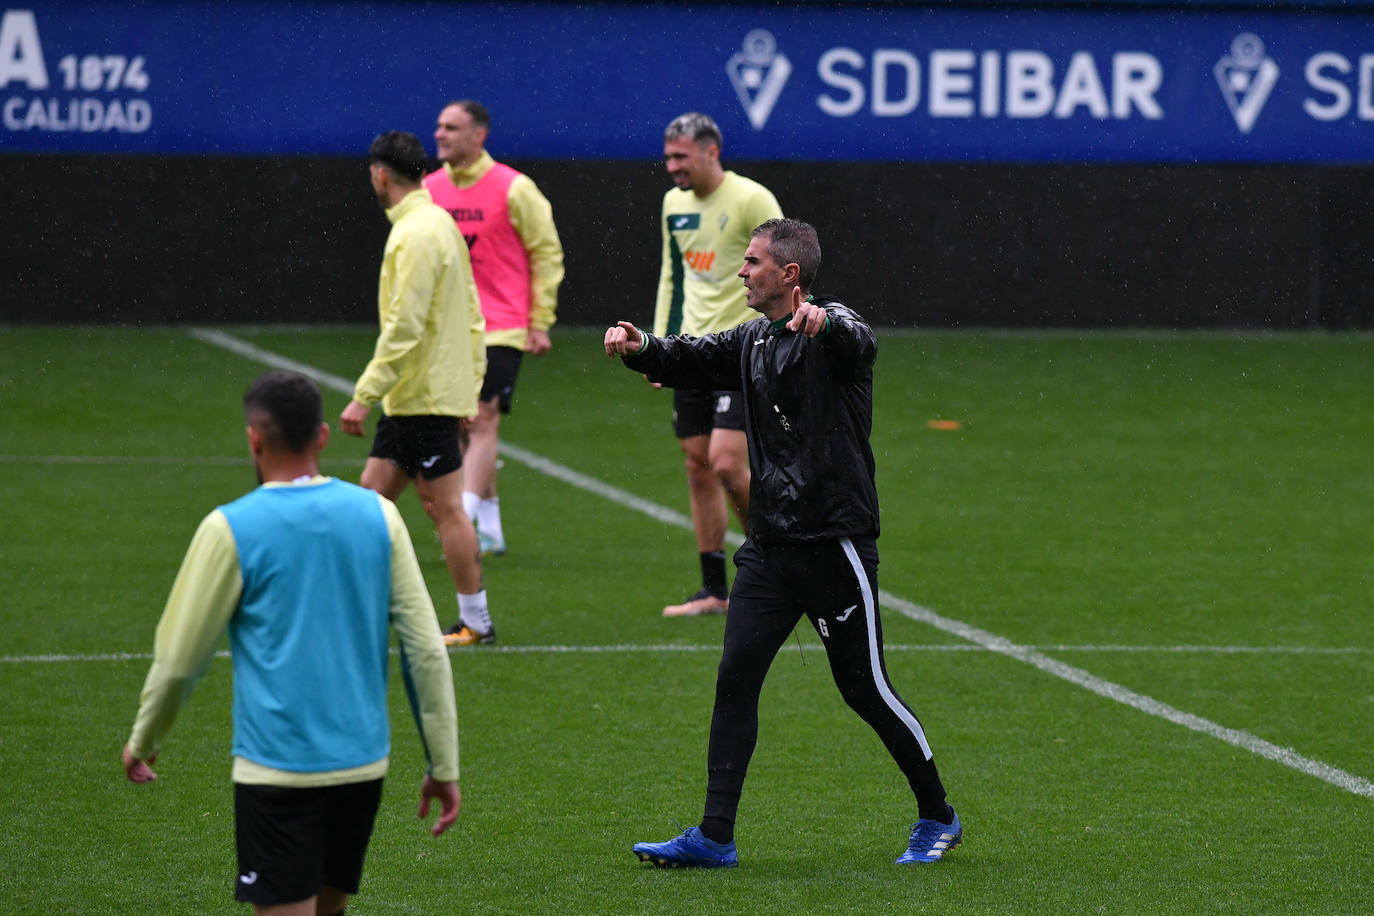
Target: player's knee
[[730, 467], [698, 468], [488, 418], [442, 511]]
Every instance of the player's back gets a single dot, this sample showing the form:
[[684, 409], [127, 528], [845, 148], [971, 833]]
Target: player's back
[[310, 635]]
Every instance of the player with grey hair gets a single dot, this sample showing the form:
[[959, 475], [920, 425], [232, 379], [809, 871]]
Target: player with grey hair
[[792, 241], [696, 127], [705, 225]]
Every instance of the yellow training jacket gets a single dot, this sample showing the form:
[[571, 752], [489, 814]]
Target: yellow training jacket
[[704, 239], [430, 357]]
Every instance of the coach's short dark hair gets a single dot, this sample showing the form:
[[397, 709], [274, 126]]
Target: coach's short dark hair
[[695, 126], [286, 408], [401, 152], [791, 241], [476, 110]]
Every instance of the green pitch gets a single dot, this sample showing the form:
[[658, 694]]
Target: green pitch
[[1123, 528]]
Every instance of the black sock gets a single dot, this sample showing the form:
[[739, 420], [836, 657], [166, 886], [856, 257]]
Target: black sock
[[713, 573], [940, 812], [718, 830]]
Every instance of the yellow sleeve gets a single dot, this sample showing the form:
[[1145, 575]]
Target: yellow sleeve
[[763, 206], [425, 665], [531, 216], [412, 270], [664, 303], [204, 596], [477, 325]]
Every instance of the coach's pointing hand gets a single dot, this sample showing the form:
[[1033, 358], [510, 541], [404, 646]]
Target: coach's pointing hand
[[807, 318], [623, 339]]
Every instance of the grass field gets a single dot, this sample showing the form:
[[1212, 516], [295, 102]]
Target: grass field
[[1127, 532]]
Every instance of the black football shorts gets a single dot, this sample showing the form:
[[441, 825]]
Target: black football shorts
[[293, 841]]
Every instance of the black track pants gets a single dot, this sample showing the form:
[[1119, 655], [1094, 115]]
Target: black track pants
[[834, 584]]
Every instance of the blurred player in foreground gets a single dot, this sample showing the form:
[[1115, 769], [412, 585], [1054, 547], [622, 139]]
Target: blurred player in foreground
[[305, 573], [705, 225], [517, 261], [426, 369], [806, 369]]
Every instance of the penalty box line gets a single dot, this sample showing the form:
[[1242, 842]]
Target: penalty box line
[[990, 641]]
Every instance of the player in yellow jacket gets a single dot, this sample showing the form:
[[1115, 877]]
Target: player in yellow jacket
[[426, 369]]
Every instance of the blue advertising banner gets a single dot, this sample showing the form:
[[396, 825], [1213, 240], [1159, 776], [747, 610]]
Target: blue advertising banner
[[600, 80]]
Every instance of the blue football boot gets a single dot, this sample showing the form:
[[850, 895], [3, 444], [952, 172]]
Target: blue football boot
[[930, 840], [691, 850]]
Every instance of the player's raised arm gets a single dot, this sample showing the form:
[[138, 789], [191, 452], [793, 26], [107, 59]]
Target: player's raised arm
[[623, 339]]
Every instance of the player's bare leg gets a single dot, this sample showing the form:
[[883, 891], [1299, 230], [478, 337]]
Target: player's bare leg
[[442, 498], [331, 900], [479, 455], [385, 477], [328, 900], [479, 469], [307, 907], [705, 493], [729, 459], [710, 518]]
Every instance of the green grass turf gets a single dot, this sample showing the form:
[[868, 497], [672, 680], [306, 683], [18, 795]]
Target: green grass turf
[[1144, 491]]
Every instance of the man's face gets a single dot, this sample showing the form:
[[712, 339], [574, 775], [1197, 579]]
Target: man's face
[[457, 138], [377, 174], [688, 162], [765, 286]]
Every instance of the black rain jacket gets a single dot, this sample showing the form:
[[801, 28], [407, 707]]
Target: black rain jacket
[[808, 415]]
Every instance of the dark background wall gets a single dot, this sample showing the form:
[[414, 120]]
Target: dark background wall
[[155, 239]]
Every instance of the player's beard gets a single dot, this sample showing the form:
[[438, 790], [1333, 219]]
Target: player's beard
[[257, 471]]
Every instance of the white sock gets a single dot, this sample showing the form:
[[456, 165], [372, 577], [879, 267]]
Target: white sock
[[489, 518], [470, 503], [472, 611]]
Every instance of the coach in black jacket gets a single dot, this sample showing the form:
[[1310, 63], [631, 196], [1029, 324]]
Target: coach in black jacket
[[806, 369]]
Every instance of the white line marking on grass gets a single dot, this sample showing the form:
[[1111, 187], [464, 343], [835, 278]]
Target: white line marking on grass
[[174, 460], [1216, 650], [268, 358], [97, 657], [601, 488], [121, 459], [456, 650], [715, 647], [632, 648], [1235, 737]]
